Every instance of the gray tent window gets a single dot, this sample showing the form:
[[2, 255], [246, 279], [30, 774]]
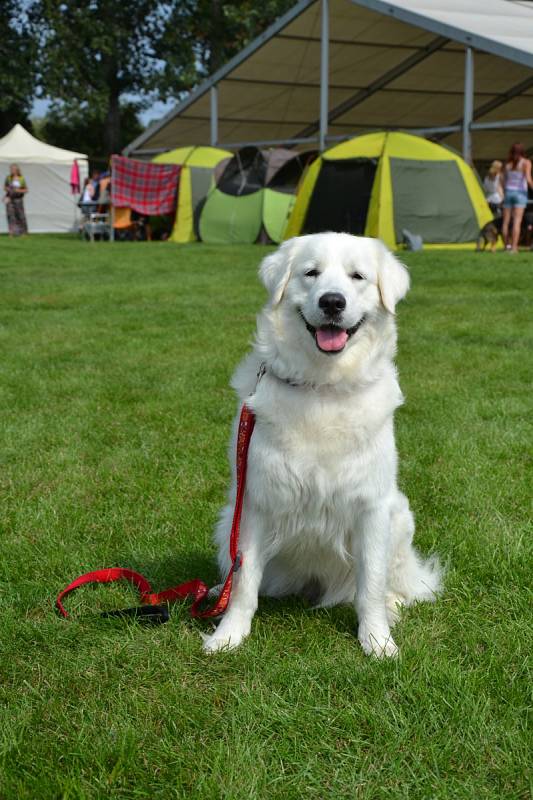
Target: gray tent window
[[431, 200], [201, 178]]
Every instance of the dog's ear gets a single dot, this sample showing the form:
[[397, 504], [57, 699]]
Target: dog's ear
[[393, 279], [275, 271]]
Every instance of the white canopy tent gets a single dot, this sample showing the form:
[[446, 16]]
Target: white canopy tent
[[460, 71], [50, 206]]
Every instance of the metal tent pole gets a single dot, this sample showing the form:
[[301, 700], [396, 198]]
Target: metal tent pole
[[324, 75], [214, 115], [468, 108]]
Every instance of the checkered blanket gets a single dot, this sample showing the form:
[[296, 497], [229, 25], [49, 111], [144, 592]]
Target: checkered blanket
[[146, 188]]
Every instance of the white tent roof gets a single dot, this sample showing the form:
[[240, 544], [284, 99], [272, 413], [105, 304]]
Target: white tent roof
[[498, 26], [393, 64], [19, 146]]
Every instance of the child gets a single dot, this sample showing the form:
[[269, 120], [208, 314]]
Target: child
[[493, 188]]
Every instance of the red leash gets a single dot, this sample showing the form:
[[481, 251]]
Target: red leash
[[196, 588]]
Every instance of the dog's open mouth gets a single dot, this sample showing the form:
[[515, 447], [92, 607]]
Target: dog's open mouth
[[331, 338]]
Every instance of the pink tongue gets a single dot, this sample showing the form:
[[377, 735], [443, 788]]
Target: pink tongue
[[331, 338]]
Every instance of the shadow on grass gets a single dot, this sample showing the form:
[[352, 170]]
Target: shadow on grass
[[169, 571], [189, 565]]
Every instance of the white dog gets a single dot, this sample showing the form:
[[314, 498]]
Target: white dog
[[322, 511]]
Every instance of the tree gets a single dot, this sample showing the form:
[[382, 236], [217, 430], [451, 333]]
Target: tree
[[95, 52], [17, 70]]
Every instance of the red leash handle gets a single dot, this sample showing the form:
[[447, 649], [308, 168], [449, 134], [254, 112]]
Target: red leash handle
[[196, 588], [104, 576]]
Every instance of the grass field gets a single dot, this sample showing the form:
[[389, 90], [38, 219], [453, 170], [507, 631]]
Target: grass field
[[114, 424]]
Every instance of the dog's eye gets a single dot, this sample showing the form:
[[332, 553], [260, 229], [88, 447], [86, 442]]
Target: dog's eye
[[312, 273], [356, 276]]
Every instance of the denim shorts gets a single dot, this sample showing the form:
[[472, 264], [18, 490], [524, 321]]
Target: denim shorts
[[515, 199]]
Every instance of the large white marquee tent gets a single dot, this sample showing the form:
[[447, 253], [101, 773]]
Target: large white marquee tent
[[459, 71], [50, 206]]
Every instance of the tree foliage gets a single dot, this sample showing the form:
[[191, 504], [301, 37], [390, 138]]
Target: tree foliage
[[97, 53], [220, 29], [83, 130], [17, 66]]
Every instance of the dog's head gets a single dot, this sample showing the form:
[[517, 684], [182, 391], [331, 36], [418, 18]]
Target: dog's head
[[329, 286]]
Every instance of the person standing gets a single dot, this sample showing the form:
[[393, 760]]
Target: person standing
[[516, 177], [15, 188], [492, 185]]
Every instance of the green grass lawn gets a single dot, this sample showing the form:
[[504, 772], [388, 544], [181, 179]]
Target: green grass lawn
[[115, 417]]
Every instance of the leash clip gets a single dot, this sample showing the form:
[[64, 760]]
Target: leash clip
[[237, 564]]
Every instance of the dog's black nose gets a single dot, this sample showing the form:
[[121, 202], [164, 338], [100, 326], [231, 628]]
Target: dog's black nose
[[332, 303]]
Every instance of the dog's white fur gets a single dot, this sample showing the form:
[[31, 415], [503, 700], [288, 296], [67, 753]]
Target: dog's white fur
[[322, 510]]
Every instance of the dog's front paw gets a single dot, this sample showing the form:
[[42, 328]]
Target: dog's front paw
[[223, 638], [377, 642]]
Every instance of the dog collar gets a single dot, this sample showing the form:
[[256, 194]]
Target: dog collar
[[266, 368]]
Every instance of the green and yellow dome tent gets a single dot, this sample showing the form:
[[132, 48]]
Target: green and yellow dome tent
[[198, 175], [381, 184], [253, 197]]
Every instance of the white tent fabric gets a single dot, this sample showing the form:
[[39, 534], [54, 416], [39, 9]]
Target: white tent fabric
[[393, 65], [492, 25], [50, 207]]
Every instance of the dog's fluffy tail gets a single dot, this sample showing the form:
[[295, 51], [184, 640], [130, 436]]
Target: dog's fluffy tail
[[416, 579], [412, 580]]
